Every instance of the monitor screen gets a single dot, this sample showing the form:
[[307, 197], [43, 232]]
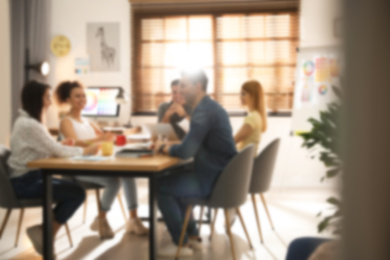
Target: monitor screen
[[101, 102]]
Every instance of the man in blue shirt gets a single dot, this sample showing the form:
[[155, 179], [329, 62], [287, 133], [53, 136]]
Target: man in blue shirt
[[210, 142]]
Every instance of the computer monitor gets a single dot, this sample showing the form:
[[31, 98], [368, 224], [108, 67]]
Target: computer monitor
[[101, 102]]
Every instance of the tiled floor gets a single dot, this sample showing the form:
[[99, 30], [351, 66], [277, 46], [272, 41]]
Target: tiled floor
[[293, 212]]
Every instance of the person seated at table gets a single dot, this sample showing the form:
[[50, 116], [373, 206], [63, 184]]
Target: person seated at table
[[255, 123], [73, 125], [210, 142], [30, 140], [175, 111]]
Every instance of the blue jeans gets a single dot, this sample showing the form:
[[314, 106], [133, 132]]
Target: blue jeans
[[68, 195], [111, 189], [302, 248], [172, 189]]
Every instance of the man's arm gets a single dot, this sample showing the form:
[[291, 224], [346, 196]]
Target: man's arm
[[200, 127], [165, 112], [162, 109]]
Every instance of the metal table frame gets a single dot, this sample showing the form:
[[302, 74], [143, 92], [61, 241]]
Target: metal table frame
[[152, 176], [47, 202]]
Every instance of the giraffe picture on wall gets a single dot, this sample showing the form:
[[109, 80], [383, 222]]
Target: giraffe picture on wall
[[107, 52], [103, 46]]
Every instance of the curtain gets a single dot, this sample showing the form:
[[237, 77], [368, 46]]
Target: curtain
[[30, 28]]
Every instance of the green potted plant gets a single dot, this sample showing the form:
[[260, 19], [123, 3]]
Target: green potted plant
[[322, 139]]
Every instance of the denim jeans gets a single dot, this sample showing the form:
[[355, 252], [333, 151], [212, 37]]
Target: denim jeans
[[68, 195], [111, 188], [172, 189]]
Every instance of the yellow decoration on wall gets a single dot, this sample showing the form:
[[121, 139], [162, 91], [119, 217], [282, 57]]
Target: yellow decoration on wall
[[60, 45]]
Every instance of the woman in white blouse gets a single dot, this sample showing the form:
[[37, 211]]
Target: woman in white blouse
[[73, 125], [30, 140]]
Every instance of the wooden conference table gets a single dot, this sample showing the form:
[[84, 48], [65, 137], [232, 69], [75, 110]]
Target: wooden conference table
[[150, 168]]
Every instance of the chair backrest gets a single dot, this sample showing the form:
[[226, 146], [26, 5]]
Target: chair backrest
[[263, 168], [231, 188], [8, 198]]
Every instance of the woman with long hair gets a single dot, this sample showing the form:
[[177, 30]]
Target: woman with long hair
[[30, 140], [255, 123], [73, 125]]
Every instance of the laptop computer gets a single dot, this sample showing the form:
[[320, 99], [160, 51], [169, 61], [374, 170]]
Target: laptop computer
[[166, 131]]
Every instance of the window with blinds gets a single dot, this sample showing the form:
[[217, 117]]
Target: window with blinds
[[231, 49]]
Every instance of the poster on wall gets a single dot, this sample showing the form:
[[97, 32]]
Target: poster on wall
[[318, 70], [103, 46], [82, 66]]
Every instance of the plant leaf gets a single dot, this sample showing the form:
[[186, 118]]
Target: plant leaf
[[338, 92], [334, 201], [323, 224], [333, 172]]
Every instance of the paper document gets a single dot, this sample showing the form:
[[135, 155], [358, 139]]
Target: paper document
[[138, 145], [90, 158], [138, 137], [185, 125]]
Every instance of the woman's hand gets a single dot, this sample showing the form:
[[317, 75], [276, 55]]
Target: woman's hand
[[92, 149], [107, 137], [68, 142]]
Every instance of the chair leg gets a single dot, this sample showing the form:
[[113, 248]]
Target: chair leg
[[200, 218], [68, 234], [213, 224], [99, 208], [257, 217], [122, 207], [19, 226], [85, 209], [183, 230], [6, 217], [244, 227], [266, 210], [227, 220]]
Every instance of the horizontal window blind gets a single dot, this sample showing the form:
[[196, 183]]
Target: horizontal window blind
[[231, 48]]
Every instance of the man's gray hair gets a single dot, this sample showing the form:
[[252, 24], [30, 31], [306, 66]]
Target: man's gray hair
[[197, 76]]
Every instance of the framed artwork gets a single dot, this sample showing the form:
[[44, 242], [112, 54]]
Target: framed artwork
[[103, 46]]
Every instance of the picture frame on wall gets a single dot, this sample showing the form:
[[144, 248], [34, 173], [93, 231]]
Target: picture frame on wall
[[103, 46]]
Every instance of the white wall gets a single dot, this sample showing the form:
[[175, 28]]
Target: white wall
[[5, 72], [70, 18], [317, 22], [295, 168]]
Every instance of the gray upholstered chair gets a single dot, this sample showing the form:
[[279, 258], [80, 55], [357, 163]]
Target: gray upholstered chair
[[263, 168], [230, 191], [9, 201]]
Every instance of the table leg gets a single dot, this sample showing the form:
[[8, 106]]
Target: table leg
[[152, 218], [47, 216]]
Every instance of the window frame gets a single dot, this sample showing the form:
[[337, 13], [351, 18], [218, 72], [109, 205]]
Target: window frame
[[137, 17]]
